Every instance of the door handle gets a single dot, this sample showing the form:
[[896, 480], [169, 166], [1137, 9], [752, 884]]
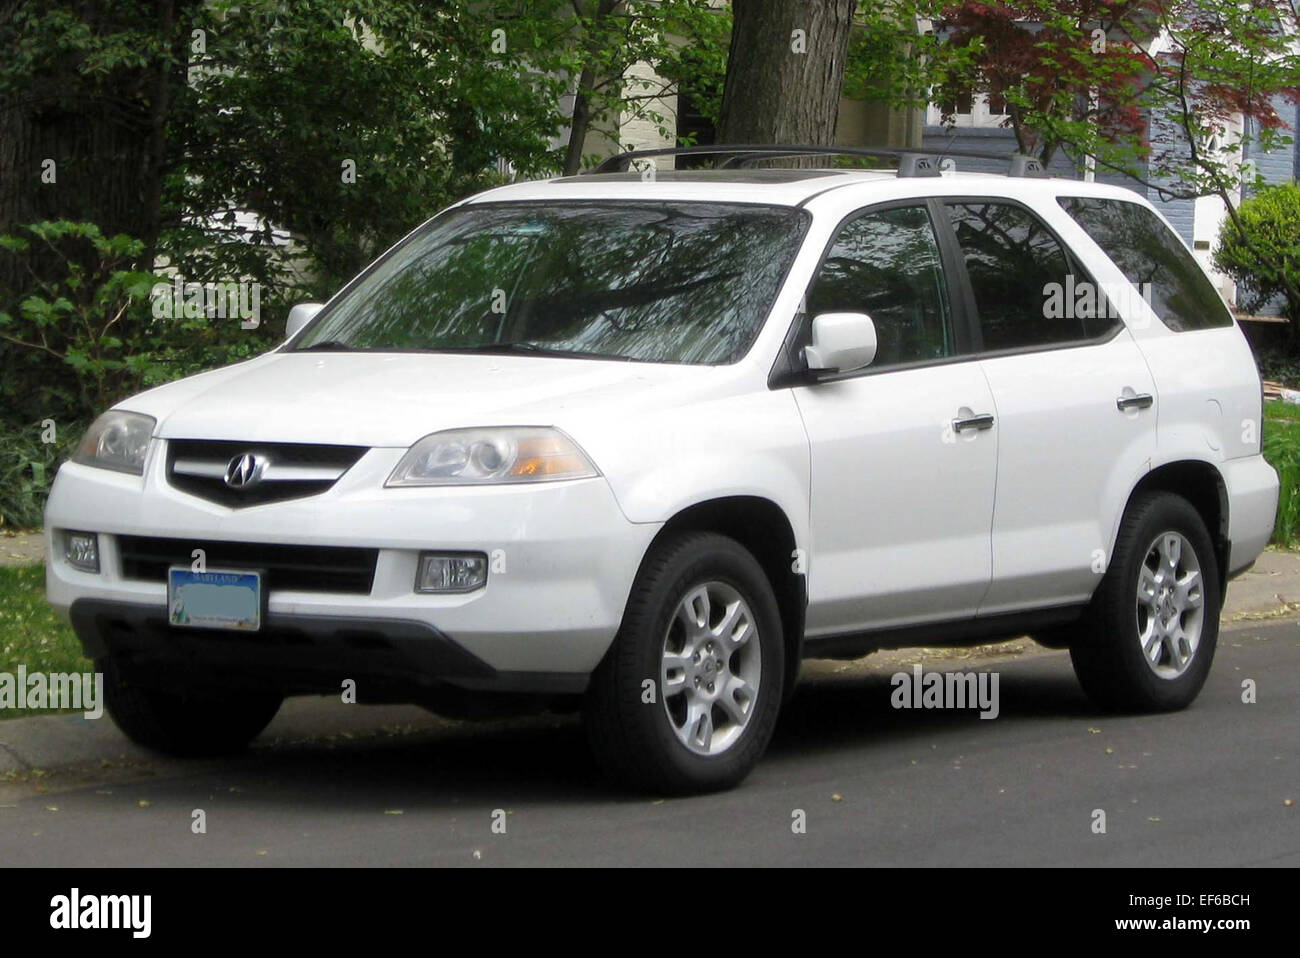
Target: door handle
[[1138, 401], [982, 421]]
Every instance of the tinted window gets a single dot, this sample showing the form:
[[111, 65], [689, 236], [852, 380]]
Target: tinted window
[[683, 282], [1153, 259], [1026, 291], [886, 264]]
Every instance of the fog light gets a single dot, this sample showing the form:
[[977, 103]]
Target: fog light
[[81, 550], [451, 572]]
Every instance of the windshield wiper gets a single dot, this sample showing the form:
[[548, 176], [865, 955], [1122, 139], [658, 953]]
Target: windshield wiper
[[325, 345], [502, 348]]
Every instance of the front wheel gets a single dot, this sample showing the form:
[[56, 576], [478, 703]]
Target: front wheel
[[1151, 630], [187, 723], [687, 697]]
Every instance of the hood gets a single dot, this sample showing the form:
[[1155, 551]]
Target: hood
[[394, 399]]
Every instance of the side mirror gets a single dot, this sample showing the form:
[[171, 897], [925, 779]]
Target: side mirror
[[841, 342], [300, 316]]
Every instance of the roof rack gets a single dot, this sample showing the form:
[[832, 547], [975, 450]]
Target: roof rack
[[910, 162]]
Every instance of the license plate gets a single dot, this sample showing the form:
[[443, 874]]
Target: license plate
[[214, 599]]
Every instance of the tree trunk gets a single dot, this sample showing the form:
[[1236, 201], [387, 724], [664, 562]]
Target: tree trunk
[[597, 12], [104, 134], [580, 123], [785, 69]]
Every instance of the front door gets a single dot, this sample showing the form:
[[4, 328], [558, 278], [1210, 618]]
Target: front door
[[904, 452]]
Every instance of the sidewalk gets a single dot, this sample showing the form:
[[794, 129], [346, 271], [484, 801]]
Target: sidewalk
[[1270, 590], [30, 748]]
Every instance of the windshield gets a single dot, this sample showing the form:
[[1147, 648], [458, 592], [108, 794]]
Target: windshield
[[657, 282]]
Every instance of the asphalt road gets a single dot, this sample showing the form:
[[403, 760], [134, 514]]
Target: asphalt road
[[879, 786]]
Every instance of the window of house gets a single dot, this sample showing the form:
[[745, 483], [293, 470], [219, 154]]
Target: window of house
[[968, 109]]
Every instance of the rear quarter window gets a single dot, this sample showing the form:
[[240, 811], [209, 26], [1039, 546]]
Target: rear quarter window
[[1153, 259]]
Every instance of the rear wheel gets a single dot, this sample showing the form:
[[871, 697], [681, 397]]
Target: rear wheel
[[186, 723], [1153, 625], [687, 697]]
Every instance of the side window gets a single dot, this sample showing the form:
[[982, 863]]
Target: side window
[[1153, 259], [886, 264], [1026, 290]]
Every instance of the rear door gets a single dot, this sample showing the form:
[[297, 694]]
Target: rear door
[[1074, 400], [901, 498]]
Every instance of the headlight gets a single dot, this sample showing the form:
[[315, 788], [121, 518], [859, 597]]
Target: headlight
[[118, 441], [494, 455]]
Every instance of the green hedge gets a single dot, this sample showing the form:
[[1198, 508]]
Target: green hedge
[[27, 467]]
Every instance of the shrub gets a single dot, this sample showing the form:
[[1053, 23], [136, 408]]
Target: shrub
[[72, 346], [29, 457], [1265, 261]]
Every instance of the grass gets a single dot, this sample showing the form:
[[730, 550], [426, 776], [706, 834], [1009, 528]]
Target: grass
[[1282, 449], [31, 634]]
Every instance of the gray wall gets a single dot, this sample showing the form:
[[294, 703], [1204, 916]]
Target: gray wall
[[1282, 165]]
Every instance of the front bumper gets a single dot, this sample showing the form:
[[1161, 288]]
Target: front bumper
[[390, 660], [564, 560]]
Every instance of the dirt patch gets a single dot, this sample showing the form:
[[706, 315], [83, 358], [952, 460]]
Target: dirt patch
[[21, 548]]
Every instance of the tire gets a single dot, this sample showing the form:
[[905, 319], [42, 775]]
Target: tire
[[185, 723], [657, 742], [1173, 618]]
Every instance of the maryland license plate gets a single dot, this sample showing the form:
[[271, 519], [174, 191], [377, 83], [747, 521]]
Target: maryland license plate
[[214, 599]]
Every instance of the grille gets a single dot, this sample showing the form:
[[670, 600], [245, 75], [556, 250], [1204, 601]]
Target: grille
[[294, 568], [281, 470]]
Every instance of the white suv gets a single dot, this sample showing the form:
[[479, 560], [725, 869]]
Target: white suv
[[642, 443]]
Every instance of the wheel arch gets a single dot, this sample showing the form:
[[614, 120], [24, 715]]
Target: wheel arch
[[1201, 484], [763, 528]]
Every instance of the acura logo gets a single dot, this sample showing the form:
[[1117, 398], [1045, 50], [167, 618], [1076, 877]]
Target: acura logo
[[244, 471]]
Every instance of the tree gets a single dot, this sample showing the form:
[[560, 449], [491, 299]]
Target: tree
[[86, 89], [1065, 81], [1170, 93], [785, 69], [592, 46], [342, 124]]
